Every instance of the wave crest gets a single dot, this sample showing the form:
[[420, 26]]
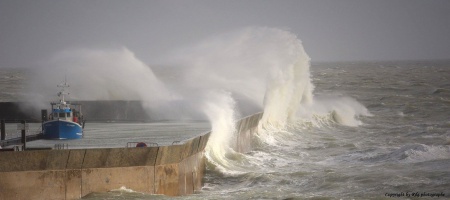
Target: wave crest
[[413, 153]]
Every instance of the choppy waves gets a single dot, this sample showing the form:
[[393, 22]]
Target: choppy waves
[[411, 153]]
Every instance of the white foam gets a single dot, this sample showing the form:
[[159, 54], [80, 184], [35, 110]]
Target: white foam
[[123, 189], [427, 153], [270, 63], [219, 107]]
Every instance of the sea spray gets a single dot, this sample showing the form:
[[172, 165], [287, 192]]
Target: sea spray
[[100, 74], [219, 107], [288, 87], [256, 66], [241, 62], [327, 109], [289, 98]]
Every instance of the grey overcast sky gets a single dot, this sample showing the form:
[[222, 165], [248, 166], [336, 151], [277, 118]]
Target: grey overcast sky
[[33, 30]]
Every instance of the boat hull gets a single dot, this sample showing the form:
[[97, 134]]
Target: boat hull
[[60, 130]]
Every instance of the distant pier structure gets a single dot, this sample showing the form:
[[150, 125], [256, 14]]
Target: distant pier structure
[[19, 142], [117, 110]]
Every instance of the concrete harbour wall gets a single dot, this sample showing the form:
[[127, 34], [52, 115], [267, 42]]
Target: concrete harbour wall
[[246, 128], [71, 174]]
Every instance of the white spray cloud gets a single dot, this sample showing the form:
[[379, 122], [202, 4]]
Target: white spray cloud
[[113, 74], [94, 74], [219, 106], [239, 61], [267, 67], [288, 87]]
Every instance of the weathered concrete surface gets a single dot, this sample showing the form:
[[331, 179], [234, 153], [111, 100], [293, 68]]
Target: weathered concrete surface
[[246, 129], [169, 154], [32, 185], [166, 179], [139, 178], [192, 174], [71, 174], [203, 141], [120, 157], [33, 160]]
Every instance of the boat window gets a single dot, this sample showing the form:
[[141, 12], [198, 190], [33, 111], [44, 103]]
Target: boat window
[[55, 115], [69, 115], [61, 115]]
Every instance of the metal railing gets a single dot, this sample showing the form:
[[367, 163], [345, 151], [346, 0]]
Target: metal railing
[[144, 144], [176, 142], [18, 147], [61, 146]]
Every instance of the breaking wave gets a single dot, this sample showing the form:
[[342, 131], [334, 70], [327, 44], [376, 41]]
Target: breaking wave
[[221, 79], [270, 68]]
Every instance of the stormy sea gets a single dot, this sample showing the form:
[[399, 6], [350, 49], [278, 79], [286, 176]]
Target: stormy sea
[[331, 130]]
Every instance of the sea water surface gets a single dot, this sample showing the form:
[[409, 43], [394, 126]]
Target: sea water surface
[[401, 148]]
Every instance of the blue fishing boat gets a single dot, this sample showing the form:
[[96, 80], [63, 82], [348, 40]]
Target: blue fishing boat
[[65, 120]]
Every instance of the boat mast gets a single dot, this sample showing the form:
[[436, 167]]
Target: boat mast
[[63, 91]]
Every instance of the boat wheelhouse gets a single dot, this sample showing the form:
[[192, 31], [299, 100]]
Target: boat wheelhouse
[[65, 120]]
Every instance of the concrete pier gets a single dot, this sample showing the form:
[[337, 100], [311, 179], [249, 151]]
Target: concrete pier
[[73, 173], [246, 128], [19, 140]]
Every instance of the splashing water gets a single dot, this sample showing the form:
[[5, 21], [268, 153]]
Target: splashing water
[[219, 108], [102, 75], [263, 67], [223, 78], [94, 74], [289, 87]]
